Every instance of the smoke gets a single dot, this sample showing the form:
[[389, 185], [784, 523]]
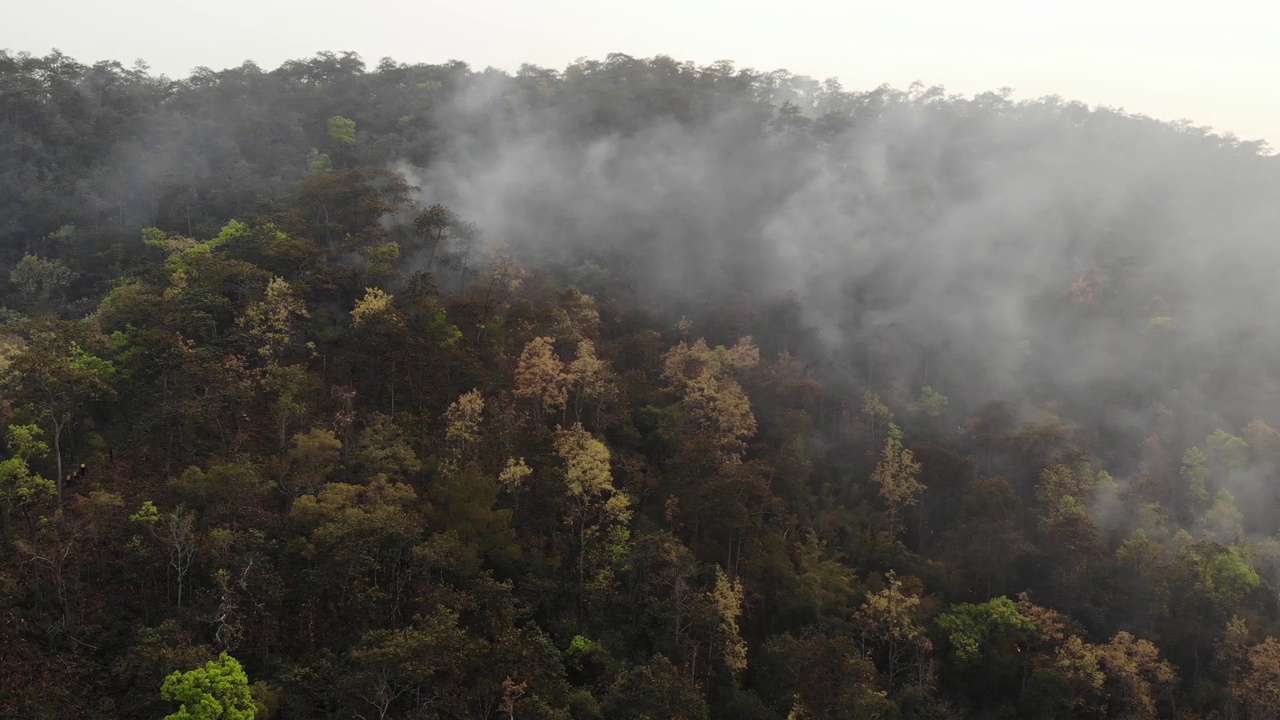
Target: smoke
[[1106, 267], [1023, 249], [1109, 268]]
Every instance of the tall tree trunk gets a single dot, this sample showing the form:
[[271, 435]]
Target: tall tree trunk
[[57, 451]]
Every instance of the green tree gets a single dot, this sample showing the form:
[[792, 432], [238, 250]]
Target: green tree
[[217, 691], [989, 538], [380, 263], [318, 162], [342, 131], [1223, 522], [20, 488], [40, 285], [1226, 453], [970, 629], [392, 666], [382, 450], [876, 411], [1195, 471], [227, 491], [822, 677], [55, 377], [654, 690], [932, 404]]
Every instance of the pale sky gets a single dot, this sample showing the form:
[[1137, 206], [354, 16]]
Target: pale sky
[[1214, 63]]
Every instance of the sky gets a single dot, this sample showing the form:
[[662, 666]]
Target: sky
[[1216, 64]]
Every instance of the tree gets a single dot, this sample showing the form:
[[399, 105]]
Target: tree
[[41, 285], [20, 488], [382, 450], [54, 376], [394, 667], [889, 622], [589, 378], [578, 316], [876, 411], [822, 677], [972, 628], [1258, 687], [380, 262], [462, 427], [1222, 521], [345, 208], [360, 538], [1064, 496], [596, 508], [226, 492], [312, 457], [1136, 675], [897, 476], [376, 308], [1232, 652], [271, 322], [465, 501], [1195, 471], [653, 690], [318, 162], [1077, 667], [218, 691], [376, 319], [342, 131], [176, 532], [989, 537], [437, 228], [726, 598], [710, 395], [932, 404], [1225, 453], [540, 377]]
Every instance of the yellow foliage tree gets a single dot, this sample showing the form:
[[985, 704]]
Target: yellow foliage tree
[[889, 621], [1258, 687], [590, 379], [897, 476], [709, 394], [540, 377], [462, 428], [375, 307], [271, 321], [726, 598], [596, 507]]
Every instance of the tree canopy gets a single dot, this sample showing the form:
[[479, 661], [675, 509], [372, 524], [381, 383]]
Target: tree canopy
[[636, 389]]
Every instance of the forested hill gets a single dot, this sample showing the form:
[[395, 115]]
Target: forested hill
[[633, 390]]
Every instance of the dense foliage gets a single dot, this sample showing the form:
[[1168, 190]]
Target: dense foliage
[[638, 390]]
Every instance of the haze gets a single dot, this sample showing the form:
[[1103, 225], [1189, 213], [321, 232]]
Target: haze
[[360, 382], [1207, 63]]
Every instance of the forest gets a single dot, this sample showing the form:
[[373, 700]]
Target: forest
[[637, 390]]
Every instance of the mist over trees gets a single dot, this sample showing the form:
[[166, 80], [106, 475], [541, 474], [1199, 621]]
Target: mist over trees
[[639, 389]]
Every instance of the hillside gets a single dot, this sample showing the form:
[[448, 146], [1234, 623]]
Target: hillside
[[634, 390]]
